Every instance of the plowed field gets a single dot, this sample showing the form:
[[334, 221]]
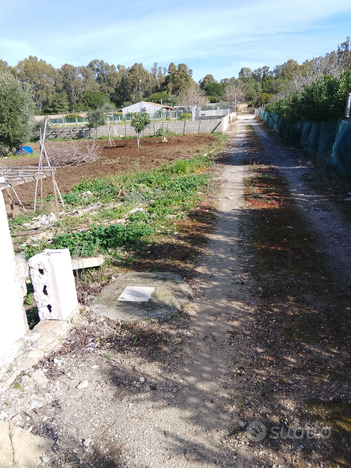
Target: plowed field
[[123, 158]]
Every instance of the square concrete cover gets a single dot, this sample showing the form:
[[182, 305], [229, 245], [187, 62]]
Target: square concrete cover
[[168, 295], [136, 294]]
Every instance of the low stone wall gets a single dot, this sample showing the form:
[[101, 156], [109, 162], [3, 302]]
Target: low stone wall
[[184, 128], [227, 119]]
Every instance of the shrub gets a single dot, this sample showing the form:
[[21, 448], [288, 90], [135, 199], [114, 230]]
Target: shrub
[[16, 112]]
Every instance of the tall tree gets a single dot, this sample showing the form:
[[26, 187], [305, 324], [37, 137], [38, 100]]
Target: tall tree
[[191, 97], [245, 73], [101, 70], [41, 77], [76, 82], [4, 66], [95, 99], [16, 111], [135, 84], [57, 104], [206, 80], [235, 93], [178, 79]]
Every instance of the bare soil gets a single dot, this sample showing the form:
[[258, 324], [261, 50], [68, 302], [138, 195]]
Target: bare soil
[[121, 159]]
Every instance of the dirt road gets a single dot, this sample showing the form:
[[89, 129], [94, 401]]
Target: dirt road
[[228, 384]]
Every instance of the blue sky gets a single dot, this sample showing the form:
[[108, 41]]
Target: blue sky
[[210, 37]]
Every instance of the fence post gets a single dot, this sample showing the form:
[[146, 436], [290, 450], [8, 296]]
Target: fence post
[[347, 108]]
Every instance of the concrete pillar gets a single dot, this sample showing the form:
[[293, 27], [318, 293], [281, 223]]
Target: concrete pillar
[[53, 284], [13, 320]]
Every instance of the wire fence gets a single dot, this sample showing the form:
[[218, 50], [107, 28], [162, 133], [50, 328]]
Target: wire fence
[[203, 113]]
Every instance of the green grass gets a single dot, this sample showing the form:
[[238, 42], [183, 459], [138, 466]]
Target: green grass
[[160, 198]]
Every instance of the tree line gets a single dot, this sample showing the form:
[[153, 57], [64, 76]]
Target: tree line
[[70, 88]]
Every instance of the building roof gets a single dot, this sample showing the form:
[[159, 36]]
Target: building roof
[[160, 106]]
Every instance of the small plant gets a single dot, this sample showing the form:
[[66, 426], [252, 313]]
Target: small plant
[[17, 386], [139, 122]]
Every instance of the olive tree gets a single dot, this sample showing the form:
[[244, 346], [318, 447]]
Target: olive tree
[[139, 122], [16, 112], [96, 117]]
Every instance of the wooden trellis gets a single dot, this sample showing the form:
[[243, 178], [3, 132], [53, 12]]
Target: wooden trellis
[[14, 176]]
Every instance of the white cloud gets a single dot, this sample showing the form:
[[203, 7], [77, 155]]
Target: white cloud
[[227, 35]]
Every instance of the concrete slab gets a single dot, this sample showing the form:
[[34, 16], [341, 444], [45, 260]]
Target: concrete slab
[[20, 448], [45, 338], [136, 294], [28, 448], [170, 292], [90, 262], [6, 454]]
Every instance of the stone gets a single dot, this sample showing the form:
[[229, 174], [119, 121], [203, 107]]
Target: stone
[[87, 442], [90, 262], [53, 284], [46, 220], [170, 293], [12, 315], [40, 379], [83, 384], [28, 448], [6, 455]]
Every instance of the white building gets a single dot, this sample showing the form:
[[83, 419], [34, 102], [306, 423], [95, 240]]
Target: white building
[[147, 107]]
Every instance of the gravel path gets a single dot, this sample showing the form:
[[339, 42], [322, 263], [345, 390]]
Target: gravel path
[[320, 214], [190, 405]]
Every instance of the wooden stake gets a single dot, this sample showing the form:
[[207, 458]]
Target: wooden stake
[[55, 192], [18, 199], [41, 192]]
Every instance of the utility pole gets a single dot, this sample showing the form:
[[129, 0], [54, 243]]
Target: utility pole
[[140, 93]]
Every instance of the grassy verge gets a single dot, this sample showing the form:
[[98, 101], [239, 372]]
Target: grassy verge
[[153, 220]]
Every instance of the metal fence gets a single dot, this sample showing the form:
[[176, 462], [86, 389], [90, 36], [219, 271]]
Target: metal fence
[[203, 113]]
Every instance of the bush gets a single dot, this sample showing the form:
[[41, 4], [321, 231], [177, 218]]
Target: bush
[[185, 116], [96, 118], [323, 101], [16, 112]]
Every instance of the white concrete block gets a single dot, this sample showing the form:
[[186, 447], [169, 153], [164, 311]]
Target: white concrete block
[[136, 294], [12, 315], [53, 284]]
